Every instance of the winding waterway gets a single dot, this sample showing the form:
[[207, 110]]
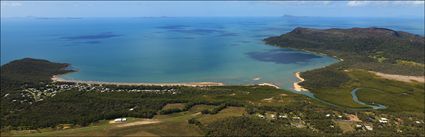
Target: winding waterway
[[356, 99]]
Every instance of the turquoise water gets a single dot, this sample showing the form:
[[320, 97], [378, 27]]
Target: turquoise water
[[227, 49]]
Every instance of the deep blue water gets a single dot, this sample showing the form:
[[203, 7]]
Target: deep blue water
[[226, 49]]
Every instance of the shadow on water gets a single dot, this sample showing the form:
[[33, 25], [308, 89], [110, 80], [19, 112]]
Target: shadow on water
[[281, 56], [89, 38], [104, 35]]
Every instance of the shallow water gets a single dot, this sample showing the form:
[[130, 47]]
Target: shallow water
[[228, 50]]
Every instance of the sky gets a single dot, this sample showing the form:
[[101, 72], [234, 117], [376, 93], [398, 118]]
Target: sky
[[409, 9]]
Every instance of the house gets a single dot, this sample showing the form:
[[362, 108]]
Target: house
[[383, 120], [370, 128], [358, 126], [328, 115], [273, 116], [283, 116], [120, 120], [298, 118], [260, 116]]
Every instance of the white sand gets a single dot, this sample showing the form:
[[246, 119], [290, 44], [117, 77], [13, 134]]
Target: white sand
[[137, 123], [56, 78], [269, 84], [402, 78], [297, 86]]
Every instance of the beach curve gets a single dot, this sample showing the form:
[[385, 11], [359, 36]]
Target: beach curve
[[297, 86]]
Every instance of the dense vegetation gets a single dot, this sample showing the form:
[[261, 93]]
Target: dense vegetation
[[249, 126], [22, 73], [328, 76], [361, 50], [29, 72], [88, 106], [376, 49]]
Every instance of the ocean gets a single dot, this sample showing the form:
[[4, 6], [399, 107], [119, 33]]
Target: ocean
[[181, 49]]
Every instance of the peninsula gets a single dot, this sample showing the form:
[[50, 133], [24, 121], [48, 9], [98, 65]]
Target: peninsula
[[371, 59]]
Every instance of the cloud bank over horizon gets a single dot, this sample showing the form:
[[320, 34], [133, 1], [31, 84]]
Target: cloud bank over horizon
[[211, 8]]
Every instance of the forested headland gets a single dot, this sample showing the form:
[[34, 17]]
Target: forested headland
[[361, 50], [377, 49]]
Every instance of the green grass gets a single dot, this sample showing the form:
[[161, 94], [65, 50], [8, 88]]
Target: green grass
[[339, 96], [394, 100], [176, 124], [170, 125], [345, 126], [397, 96], [225, 113], [173, 106]]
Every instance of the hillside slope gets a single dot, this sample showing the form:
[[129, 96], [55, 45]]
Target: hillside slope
[[376, 49]]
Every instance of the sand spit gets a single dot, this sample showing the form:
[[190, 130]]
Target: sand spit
[[137, 123], [269, 84], [402, 78], [297, 86], [56, 78]]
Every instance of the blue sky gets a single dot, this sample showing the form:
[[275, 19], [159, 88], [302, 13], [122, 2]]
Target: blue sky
[[412, 9]]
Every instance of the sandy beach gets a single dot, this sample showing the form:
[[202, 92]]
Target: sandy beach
[[403, 78], [297, 86], [269, 84], [57, 78]]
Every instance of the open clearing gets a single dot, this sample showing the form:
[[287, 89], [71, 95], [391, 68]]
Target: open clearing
[[395, 95], [402, 78], [173, 106], [160, 125]]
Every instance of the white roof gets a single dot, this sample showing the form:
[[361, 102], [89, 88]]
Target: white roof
[[368, 127]]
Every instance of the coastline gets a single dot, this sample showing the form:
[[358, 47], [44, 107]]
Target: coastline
[[57, 78], [269, 84], [297, 86]]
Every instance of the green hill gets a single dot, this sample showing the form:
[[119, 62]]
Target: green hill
[[376, 49], [30, 72]]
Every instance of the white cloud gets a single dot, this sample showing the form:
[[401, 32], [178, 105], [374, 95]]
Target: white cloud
[[326, 2], [384, 3], [357, 3], [418, 3], [295, 3], [10, 4]]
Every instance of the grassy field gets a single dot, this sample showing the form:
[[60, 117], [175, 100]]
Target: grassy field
[[397, 96], [340, 96], [346, 126], [168, 125], [225, 113]]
